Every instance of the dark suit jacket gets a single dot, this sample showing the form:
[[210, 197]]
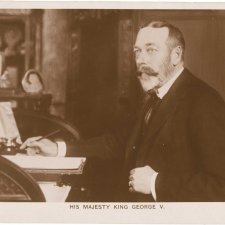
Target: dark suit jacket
[[184, 143]]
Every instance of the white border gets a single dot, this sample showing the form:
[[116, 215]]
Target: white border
[[171, 213], [69, 4], [178, 213]]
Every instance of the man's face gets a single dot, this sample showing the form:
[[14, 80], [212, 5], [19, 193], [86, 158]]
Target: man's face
[[153, 57]]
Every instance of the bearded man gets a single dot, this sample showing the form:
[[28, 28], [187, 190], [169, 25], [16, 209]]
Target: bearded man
[[176, 148]]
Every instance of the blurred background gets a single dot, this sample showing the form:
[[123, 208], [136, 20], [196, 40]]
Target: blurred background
[[85, 58]]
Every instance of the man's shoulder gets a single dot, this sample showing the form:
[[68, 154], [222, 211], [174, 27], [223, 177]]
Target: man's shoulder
[[202, 93], [200, 88]]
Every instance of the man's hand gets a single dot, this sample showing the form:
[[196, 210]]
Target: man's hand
[[44, 146], [140, 180]]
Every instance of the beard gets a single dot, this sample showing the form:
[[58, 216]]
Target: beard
[[150, 78], [149, 82]]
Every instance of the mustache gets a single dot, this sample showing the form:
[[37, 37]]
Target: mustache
[[143, 68]]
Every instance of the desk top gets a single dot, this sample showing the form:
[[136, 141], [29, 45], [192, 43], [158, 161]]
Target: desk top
[[46, 163], [44, 168]]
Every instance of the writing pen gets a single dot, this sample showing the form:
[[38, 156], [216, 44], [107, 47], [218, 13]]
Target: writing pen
[[49, 134], [43, 137]]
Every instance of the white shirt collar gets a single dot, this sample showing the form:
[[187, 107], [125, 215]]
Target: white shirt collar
[[161, 92]]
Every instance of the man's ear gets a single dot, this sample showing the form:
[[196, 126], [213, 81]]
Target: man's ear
[[176, 55]]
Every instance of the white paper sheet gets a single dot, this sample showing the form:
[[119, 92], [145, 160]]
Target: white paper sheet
[[42, 162], [8, 126]]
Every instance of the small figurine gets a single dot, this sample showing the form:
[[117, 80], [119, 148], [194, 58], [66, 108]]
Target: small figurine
[[32, 82]]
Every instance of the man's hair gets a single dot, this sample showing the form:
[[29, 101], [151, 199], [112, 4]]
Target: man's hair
[[175, 37]]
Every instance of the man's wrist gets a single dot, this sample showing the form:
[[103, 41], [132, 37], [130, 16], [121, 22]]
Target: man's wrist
[[61, 148]]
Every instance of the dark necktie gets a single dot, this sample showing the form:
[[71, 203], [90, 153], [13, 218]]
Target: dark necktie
[[150, 101]]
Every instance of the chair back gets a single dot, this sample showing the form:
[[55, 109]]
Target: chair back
[[32, 124], [16, 185]]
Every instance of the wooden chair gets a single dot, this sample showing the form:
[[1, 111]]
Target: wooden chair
[[16, 185], [32, 124]]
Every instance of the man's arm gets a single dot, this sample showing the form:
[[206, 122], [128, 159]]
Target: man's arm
[[105, 147]]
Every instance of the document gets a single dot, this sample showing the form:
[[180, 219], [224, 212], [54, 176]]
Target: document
[[46, 163], [8, 126]]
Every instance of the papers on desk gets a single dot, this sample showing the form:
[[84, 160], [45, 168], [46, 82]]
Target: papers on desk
[[46, 163], [48, 168]]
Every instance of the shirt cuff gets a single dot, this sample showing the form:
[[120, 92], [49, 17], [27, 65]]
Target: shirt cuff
[[61, 148], [152, 186]]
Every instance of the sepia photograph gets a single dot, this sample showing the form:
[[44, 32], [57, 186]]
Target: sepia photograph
[[112, 108]]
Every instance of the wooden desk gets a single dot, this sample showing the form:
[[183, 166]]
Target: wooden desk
[[49, 173], [56, 185]]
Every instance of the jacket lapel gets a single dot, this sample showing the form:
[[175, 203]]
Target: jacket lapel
[[159, 117], [168, 105]]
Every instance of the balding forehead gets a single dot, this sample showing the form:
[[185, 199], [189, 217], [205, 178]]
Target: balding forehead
[[152, 35]]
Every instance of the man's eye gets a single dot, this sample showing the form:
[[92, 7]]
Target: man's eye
[[137, 52], [151, 50]]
